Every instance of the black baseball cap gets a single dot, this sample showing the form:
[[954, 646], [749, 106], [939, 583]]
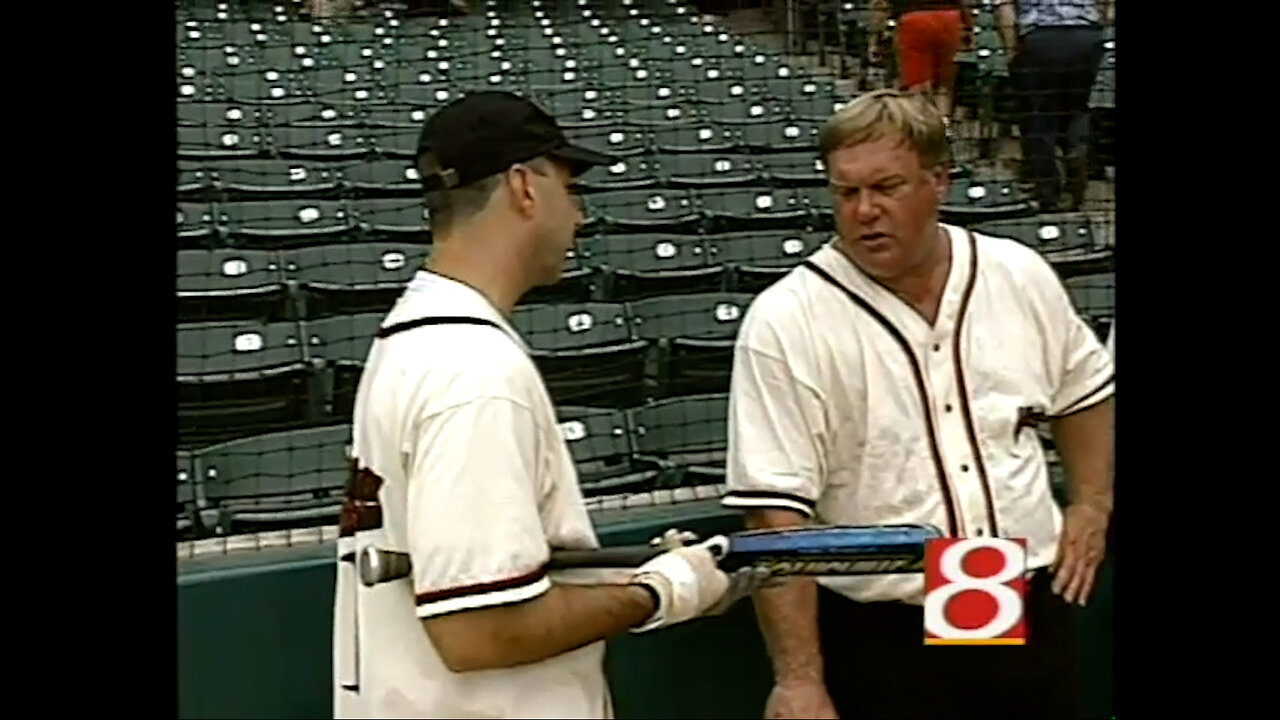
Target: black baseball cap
[[484, 133]]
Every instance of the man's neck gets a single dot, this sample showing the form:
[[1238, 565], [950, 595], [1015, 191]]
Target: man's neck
[[922, 287], [488, 272]]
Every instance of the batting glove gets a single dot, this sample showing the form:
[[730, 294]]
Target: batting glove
[[686, 580]]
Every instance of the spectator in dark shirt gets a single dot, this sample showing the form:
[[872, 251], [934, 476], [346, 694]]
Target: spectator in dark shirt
[[1054, 49]]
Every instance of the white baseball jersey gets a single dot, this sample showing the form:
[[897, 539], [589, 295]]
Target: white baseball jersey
[[853, 410], [461, 465]]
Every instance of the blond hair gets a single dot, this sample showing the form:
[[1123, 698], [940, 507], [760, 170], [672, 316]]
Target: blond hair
[[881, 113]]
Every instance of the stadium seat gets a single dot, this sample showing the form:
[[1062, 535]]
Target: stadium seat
[[285, 222], [579, 282], [704, 136], [268, 179], [640, 211], [658, 116], [600, 442], [239, 378], [750, 208], [195, 184], [196, 228], [283, 479], [747, 111], [1068, 240], [629, 173], [394, 142], [621, 140], [220, 141], [351, 279], [694, 336], [784, 134], [265, 86], [321, 142], [391, 219], [382, 178], [798, 167], [396, 115], [1094, 297], [685, 438], [645, 265], [976, 199], [758, 259], [708, 169], [301, 114], [217, 285], [188, 519], [341, 343], [586, 352], [220, 114]]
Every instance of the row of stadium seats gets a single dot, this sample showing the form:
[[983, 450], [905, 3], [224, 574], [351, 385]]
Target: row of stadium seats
[[293, 222], [240, 377], [326, 280], [296, 478]]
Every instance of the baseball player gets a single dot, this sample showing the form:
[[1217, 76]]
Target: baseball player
[[897, 376], [459, 462]]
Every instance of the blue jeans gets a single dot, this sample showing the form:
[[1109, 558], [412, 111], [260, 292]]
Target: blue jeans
[[1053, 74]]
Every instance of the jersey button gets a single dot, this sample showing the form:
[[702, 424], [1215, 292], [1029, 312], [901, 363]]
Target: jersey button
[[948, 408], [982, 532], [964, 468], [936, 347]]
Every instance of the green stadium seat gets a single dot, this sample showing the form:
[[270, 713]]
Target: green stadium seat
[[645, 265], [685, 437], [694, 336], [196, 228], [341, 343], [600, 442], [397, 142], [285, 222], [750, 208], [798, 166], [758, 259], [653, 210], [265, 86], [586, 352], [396, 115], [977, 199], [227, 284], [306, 113], [202, 114], [267, 179], [331, 143], [195, 183], [579, 282], [220, 141], [394, 219], [629, 173], [352, 279], [382, 178], [283, 479], [240, 378], [745, 111], [784, 134], [703, 136], [708, 169], [1070, 241]]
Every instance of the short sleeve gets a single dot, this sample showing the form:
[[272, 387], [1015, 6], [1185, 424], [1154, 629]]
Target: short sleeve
[[775, 426], [475, 534], [1081, 368]]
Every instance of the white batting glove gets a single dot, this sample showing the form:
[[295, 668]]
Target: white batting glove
[[687, 581]]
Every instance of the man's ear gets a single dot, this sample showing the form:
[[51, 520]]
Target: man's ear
[[520, 190]]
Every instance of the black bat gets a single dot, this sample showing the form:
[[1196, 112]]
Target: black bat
[[810, 550]]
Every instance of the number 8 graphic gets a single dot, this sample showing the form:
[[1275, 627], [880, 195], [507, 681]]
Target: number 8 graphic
[[951, 568]]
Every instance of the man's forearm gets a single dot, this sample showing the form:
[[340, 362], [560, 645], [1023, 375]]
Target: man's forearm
[[788, 614], [1085, 441], [565, 618]]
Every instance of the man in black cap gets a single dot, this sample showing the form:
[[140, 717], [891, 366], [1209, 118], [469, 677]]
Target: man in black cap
[[458, 461]]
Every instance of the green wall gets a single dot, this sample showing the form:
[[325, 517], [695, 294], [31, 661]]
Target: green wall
[[254, 639]]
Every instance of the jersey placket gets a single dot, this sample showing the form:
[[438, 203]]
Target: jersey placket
[[940, 361]]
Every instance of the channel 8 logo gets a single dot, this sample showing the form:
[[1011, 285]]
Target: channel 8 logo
[[975, 591]]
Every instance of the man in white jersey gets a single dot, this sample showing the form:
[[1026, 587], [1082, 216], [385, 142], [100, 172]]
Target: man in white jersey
[[459, 462], [897, 376]]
